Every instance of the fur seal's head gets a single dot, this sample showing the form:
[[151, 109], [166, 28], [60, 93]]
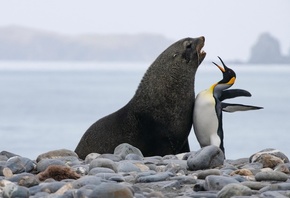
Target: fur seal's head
[[187, 51]]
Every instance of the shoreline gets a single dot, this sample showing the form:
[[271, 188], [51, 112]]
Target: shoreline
[[204, 173]]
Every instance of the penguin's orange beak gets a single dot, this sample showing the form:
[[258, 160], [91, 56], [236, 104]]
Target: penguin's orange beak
[[220, 67]]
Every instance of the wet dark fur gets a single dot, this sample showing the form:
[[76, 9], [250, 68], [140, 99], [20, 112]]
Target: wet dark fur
[[158, 119]]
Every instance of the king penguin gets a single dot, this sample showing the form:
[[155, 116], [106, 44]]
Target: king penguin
[[207, 113]]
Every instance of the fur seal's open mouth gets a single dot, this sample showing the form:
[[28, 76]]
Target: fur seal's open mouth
[[200, 53]]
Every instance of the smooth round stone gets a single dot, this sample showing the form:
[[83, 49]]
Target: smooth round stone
[[102, 162], [214, 182], [142, 166], [154, 178], [97, 170], [269, 161], [271, 176], [12, 190], [111, 176], [81, 169], [275, 187], [56, 154], [86, 180], [133, 156], [203, 174], [28, 181], [8, 154], [124, 149], [17, 177], [70, 160], [242, 172], [52, 187], [255, 185], [90, 157], [253, 166], [269, 151], [43, 164], [3, 158], [231, 190], [206, 158], [19, 164], [282, 168], [176, 166], [111, 190], [238, 162], [184, 179], [169, 157], [127, 167], [5, 171], [110, 156]]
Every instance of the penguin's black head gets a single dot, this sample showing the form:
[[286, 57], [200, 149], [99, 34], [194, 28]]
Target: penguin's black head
[[229, 76]]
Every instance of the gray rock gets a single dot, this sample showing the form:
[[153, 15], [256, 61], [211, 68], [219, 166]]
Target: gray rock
[[275, 187], [43, 164], [238, 163], [111, 176], [111, 190], [126, 166], [12, 190], [203, 174], [269, 151], [184, 179], [56, 154], [5, 171], [102, 162], [273, 194], [271, 176], [86, 180], [253, 166], [124, 149], [214, 182], [110, 156], [159, 185], [231, 190], [52, 187], [8, 154], [97, 170], [133, 156], [90, 157], [3, 158], [19, 164], [154, 178], [255, 185], [81, 169], [17, 177], [205, 158]]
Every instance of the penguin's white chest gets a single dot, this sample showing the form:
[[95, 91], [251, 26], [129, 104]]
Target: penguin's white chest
[[205, 121]]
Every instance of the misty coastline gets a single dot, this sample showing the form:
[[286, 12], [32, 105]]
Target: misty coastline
[[19, 43]]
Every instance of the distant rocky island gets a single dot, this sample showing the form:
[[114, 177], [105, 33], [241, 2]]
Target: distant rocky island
[[267, 51], [27, 44]]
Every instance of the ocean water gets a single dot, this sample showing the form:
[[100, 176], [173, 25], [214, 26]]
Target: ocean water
[[49, 105]]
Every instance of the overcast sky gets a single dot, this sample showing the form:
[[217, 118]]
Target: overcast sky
[[230, 27]]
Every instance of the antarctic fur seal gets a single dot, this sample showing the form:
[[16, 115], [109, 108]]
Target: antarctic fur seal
[[158, 118]]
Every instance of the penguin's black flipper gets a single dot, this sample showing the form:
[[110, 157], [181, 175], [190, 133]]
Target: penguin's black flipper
[[232, 93], [230, 108]]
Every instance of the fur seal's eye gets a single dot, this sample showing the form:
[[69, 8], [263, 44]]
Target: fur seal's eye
[[175, 54], [187, 44]]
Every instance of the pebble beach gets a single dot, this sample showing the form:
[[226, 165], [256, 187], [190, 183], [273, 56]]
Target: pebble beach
[[127, 173]]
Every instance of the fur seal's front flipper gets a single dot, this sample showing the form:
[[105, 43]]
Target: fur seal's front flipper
[[230, 108], [158, 118], [233, 93]]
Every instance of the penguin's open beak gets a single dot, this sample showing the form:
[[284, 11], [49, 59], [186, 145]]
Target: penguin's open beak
[[220, 67]]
